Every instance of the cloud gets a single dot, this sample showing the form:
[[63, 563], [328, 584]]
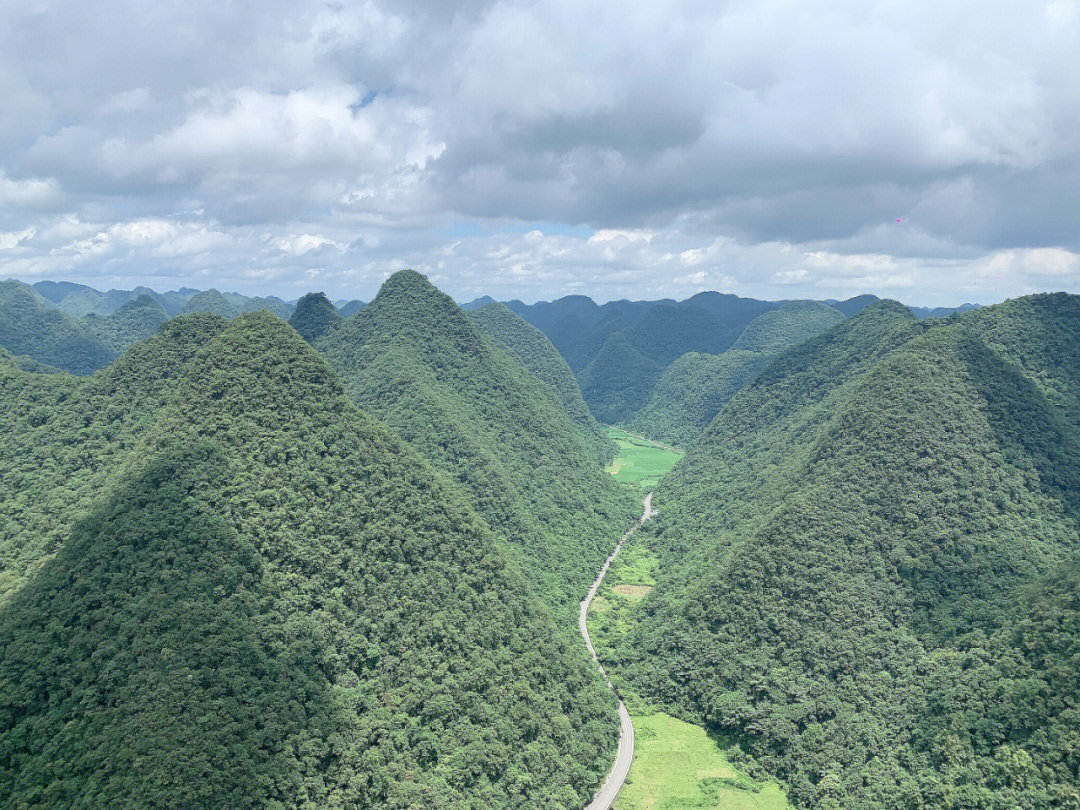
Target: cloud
[[540, 147]]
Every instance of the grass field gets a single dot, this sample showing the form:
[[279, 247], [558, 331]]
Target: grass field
[[640, 461], [677, 766]]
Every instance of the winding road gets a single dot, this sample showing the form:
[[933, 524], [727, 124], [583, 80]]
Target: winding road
[[605, 797]]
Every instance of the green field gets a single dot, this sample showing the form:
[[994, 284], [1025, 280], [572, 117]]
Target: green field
[[640, 461], [677, 766]]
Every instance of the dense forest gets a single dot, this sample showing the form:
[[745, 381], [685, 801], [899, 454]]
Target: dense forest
[[225, 586], [413, 358], [334, 561], [532, 348], [868, 579]]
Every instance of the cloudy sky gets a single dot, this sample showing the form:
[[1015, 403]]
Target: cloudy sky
[[927, 151]]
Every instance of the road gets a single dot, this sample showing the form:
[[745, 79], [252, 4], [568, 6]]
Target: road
[[605, 797]]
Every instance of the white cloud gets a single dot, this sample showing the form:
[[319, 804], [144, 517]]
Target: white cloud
[[623, 149], [30, 192]]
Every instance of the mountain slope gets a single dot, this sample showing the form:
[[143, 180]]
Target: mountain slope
[[138, 319], [212, 301], [28, 327], [414, 359], [274, 602], [618, 380], [691, 391], [314, 315], [532, 348], [788, 326], [845, 561]]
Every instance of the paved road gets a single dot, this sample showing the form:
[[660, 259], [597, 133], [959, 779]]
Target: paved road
[[605, 797]]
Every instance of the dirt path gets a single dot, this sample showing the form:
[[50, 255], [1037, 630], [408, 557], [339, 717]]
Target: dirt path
[[605, 797]]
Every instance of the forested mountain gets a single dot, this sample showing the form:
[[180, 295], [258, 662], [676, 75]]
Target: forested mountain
[[313, 316], [691, 391], [28, 327], [780, 329], [211, 301], [868, 577], [224, 586], [349, 308], [618, 380], [136, 320], [414, 359], [676, 404], [532, 348]]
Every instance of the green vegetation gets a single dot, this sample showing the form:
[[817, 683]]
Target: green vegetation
[[136, 320], [786, 327], [677, 766], [532, 348], [618, 380], [640, 461], [866, 575], [314, 316], [414, 359], [211, 301], [227, 587], [691, 391], [29, 327]]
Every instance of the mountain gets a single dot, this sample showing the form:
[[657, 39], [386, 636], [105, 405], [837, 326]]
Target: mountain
[[313, 316], [476, 303], [867, 575], [415, 360], [136, 320], [691, 391], [28, 327], [853, 306], [211, 301], [618, 380], [257, 596], [941, 312], [532, 348], [349, 308], [56, 291], [788, 326]]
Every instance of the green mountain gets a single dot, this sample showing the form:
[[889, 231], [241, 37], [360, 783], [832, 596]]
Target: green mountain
[[694, 388], [415, 360], [211, 301], [532, 348], [314, 315], [247, 593], [136, 320], [691, 391], [780, 329], [618, 380], [867, 579], [349, 308], [29, 327]]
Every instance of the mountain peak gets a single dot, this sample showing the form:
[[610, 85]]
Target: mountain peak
[[314, 315]]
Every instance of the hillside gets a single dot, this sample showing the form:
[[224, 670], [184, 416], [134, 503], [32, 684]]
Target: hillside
[[780, 329], [211, 301], [415, 360], [691, 391], [532, 348], [618, 380], [313, 316], [28, 327], [136, 320], [256, 596], [851, 557]]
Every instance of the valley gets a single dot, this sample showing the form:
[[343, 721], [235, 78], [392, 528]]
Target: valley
[[341, 557]]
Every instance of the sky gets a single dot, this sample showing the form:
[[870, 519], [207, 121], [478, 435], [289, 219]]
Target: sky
[[924, 151]]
